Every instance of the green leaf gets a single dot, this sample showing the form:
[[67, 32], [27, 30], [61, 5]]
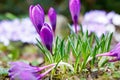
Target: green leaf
[[109, 41], [116, 74], [62, 47], [73, 47], [96, 39], [71, 29], [84, 62], [45, 51], [81, 29], [94, 55], [77, 62], [91, 39], [102, 62]]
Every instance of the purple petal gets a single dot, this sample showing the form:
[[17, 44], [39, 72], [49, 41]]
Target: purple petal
[[52, 17], [19, 67], [116, 48], [30, 11], [23, 71], [107, 54], [43, 74], [44, 67], [23, 76], [74, 6], [113, 53], [37, 16], [46, 36]]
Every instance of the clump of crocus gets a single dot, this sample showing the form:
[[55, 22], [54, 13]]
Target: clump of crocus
[[46, 35], [115, 52], [36, 14], [52, 18], [23, 71], [74, 7], [43, 29]]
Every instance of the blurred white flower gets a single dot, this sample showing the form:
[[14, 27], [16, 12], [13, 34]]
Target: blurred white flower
[[97, 28], [110, 28], [99, 22], [116, 20], [117, 36], [73, 29], [17, 30], [97, 16], [4, 40], [110, 15]]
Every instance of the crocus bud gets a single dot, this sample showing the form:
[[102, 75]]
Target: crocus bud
[[52, 18], [115, 52], [36, 14], [23, 71], [46, 35], [74, 7]]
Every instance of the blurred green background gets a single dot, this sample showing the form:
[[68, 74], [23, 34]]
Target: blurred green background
[[19, 8]]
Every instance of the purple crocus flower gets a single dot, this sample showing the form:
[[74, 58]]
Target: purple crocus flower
[[46, 35], [52, 18], [74, 6], [23, 71], [37, 16], [115, 52]]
